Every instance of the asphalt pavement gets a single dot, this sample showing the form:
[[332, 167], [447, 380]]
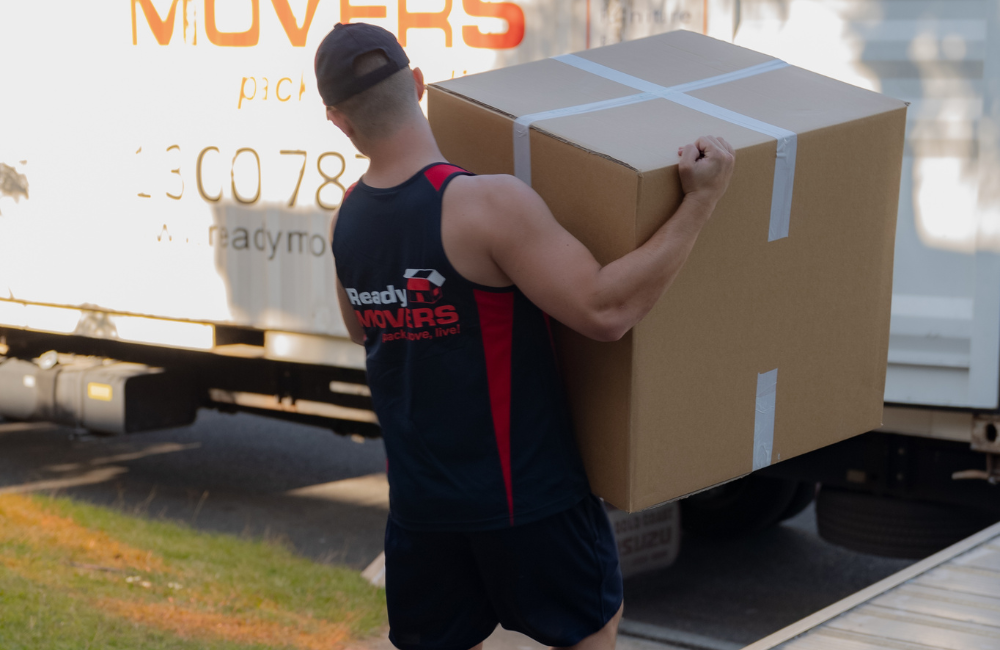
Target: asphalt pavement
[[235, 474], [325, 496]]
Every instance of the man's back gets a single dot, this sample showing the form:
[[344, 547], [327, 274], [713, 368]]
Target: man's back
[[463, 376]]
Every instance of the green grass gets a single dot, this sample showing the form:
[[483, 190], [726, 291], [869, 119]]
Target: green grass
[[33, 618], [74, 575]]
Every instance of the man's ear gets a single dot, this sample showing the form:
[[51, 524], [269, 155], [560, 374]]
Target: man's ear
[[418, 81], [341, 121]]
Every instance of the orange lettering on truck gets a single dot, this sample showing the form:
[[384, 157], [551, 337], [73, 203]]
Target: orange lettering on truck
[[472, 35]]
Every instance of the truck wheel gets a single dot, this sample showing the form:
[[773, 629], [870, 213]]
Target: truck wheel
[[744, 506], [805, 493], [892, 527]]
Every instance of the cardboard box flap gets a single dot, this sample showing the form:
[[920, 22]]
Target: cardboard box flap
[[534, 87], [644, 135], [692, 55], [664, 127], [798, 100]]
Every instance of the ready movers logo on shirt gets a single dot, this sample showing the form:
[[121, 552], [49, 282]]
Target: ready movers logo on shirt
[[422, 287]]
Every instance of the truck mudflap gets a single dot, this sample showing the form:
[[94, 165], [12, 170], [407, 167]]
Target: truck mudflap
[[947, 601]]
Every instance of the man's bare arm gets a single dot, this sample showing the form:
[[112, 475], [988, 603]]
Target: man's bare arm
[[354, 328], [559, 274], [350, 320]]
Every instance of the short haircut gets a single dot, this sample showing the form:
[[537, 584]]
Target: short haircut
[[380, 110]]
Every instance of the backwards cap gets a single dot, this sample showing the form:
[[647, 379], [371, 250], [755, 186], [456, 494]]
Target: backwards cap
[[335, 58]]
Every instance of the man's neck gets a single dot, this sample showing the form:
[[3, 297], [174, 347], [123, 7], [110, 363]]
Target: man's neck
[[396, 158]]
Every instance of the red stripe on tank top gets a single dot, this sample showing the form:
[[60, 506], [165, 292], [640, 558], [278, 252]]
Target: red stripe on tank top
[[438, 174], [496, 323]]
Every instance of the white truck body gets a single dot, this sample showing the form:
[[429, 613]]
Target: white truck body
[[168, 166]]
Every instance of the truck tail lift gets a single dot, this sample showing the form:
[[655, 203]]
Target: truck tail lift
[[945, 601]]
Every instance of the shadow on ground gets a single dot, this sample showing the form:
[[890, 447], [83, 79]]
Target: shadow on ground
[[322, 494]]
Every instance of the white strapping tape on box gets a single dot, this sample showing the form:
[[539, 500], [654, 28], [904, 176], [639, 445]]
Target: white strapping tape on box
[[763, 421], [784, 165]]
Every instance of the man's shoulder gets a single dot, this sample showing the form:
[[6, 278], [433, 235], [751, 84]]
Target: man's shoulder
[[489, 181], [493, 193], [483, 210]]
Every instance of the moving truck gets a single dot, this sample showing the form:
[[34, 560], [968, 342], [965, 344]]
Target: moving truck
[[167, 179]]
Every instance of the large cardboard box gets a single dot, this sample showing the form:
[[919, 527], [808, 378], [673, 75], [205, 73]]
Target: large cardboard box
[[772, 341]]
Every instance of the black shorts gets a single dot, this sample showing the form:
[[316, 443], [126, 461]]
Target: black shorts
[[556, 580]]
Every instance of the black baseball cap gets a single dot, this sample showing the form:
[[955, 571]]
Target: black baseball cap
[[335, 58]]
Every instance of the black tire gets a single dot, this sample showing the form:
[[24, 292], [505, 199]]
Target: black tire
[[741, 507], [805, 493], [891, 527]]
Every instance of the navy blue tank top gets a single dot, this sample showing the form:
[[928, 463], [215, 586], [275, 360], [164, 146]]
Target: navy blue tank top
[[463, 377]]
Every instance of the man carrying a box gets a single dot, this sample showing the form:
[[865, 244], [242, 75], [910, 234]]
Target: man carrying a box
[[448, 279]]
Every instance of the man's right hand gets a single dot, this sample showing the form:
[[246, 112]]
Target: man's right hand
[[706, 168]]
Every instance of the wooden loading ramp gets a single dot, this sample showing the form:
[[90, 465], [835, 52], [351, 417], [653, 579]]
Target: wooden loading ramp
[[949, 601]]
